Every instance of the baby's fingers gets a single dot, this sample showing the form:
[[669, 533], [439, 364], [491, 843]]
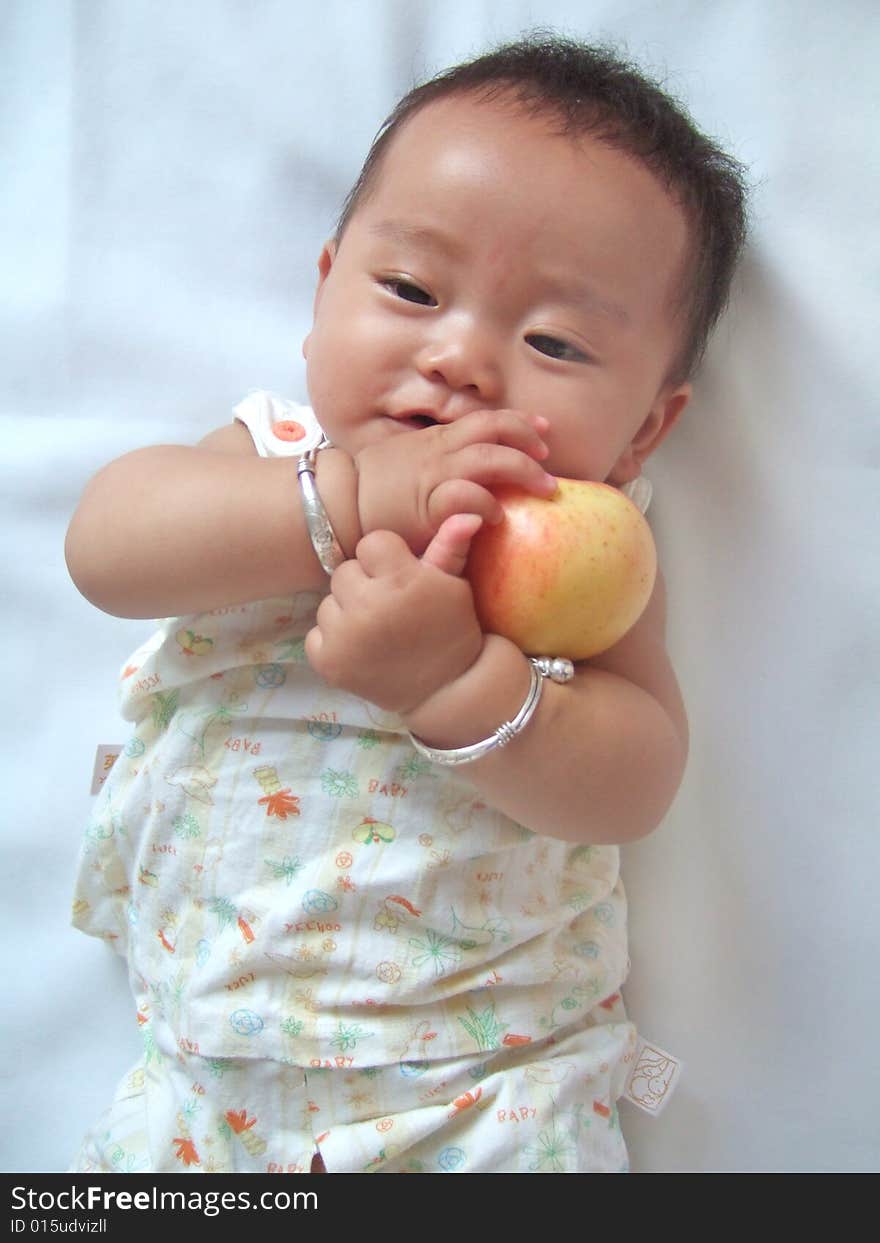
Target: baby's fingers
[[382, 554], [448, 550], [460, 496], [492, 465], [502, 427]]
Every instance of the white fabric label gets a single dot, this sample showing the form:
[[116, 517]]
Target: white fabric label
[[653, 1078], [105, 757]]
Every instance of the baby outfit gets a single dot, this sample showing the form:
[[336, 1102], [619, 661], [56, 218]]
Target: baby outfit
[[334, 944]]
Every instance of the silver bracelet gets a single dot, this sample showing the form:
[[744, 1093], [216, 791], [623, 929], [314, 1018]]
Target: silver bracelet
[[556, 668], [327, 547], [540, 667]]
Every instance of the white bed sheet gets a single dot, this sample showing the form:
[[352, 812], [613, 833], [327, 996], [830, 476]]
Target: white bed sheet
[[169, 181]]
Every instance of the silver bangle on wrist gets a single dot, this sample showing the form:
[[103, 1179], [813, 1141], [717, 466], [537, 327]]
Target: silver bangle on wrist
[[327, 547], [540, 667]]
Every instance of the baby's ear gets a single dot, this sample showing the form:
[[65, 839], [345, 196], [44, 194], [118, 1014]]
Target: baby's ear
[[325, 263], [661, 419]]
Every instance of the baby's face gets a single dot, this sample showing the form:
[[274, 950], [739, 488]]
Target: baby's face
[[497, 265]]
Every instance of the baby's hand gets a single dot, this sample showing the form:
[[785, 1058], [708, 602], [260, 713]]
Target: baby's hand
[[411, 482], [395, 628]]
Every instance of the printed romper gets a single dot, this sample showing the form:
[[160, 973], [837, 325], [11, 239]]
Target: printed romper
[[332, 943]]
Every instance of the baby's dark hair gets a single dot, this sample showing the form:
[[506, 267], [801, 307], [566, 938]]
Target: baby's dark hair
[[592, 90]]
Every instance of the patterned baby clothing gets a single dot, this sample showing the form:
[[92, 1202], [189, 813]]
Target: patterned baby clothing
[[328, 935]]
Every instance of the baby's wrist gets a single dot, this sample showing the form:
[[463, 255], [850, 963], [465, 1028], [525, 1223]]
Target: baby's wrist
[[473, 705], [336, 481]]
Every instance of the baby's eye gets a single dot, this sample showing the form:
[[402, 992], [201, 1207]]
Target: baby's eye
[[553, 347], [408, 291]]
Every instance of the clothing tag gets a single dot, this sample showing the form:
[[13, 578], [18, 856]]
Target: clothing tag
[[105, 757], [653, 1078]]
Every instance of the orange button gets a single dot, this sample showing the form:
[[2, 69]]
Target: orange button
[[287, 429]]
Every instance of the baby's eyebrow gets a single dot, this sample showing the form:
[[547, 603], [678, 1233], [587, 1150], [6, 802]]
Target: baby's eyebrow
[[417, 235], [581, 293]]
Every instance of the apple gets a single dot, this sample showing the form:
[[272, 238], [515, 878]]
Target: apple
[[564, 576]]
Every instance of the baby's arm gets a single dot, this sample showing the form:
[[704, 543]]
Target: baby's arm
[[604, 755], [171, 529], [174, 529]]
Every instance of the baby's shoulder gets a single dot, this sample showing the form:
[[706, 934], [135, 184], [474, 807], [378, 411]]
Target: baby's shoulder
[[231, 438]]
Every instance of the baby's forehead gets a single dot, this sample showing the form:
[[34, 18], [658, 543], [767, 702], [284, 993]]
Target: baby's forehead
[[521, 157], [477, 114], [503, 126]]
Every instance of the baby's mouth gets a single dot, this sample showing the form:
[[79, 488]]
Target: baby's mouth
[[418, 421]]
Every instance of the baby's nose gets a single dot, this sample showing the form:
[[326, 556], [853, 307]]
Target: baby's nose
[[465, 359]]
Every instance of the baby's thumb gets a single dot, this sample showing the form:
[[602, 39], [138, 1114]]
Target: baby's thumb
[[449, 548]]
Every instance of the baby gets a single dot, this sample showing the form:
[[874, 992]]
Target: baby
[[361, 857]]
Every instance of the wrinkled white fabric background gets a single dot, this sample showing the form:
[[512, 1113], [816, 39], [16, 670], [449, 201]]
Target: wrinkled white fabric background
[[169, 175]]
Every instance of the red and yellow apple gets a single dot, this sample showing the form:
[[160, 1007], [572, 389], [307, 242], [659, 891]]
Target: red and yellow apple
[[564, 576]]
